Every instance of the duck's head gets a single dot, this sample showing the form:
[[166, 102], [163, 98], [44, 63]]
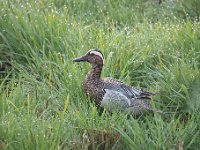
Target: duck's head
[[93, 56]]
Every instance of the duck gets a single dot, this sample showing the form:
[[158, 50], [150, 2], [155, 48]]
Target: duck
[[112, 94]]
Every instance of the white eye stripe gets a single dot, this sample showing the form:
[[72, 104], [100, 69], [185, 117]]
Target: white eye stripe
[[97, 53]]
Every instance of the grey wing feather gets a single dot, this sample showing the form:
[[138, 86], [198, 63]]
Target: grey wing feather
[[115, 100], [127, 90]]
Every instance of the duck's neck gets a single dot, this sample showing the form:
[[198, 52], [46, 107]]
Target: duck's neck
[[95, 72]]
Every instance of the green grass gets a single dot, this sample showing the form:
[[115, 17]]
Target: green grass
[[147, 45]]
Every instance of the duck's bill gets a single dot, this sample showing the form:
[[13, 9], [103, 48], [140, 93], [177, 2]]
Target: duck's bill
[[83, 58]]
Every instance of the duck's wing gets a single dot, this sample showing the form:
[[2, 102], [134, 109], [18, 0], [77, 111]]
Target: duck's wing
[[128, 91], [114, 100]]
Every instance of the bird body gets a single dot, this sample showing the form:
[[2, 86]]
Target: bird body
[[110, 93]]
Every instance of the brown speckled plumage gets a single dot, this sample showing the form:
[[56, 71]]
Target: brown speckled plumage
[[109, 91]]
